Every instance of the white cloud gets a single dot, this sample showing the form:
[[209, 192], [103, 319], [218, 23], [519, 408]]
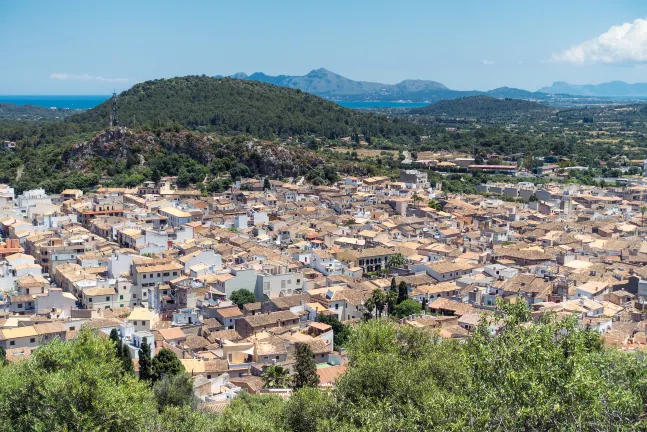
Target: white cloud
[[66, 76], [111, 80], [487, 62], [626, 43], [85, 77]]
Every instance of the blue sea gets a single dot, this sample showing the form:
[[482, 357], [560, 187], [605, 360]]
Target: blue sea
[[90, 101], [71, 102]]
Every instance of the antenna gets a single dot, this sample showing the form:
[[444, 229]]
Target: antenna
[[113, 114]]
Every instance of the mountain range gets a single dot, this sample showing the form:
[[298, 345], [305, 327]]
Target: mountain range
[[333, 86], [608, 89]]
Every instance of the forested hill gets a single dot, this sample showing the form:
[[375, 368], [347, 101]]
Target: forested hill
[[483, 107], [31, 112], [228, 105]]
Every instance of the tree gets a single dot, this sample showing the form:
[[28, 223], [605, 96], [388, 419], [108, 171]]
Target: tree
[[165, 363], [276, 376], [241, 297], [114, 337], [416, 199], [175, 390], [369, 306], [391, 300], [126, 360], [3, 357], [397, 260], [308, 410], [423, 306], [145, 367], [76, 385], [350, 222], [403, 292], [341, 331], [379, 299], [406, 308], [643, 210], [435, 205], [266, 184], [305, 367]]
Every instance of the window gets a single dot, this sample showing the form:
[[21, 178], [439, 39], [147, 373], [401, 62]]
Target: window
[[121, 305], [19, 305], [12, 342], [134, 296], [72, 328], [90, 299], [159, 274], [32, 340], [121, 297], [107, 298], [174, 273], [144, 276], [166, 274]]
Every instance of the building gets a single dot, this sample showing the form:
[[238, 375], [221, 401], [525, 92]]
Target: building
[[175, 217]]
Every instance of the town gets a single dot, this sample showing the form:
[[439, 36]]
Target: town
[[232, 283]]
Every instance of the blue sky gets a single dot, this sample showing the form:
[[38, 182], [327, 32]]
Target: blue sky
[[88, 47]]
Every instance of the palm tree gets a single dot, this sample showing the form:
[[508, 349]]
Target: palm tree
[[276, 376], [379, 299], [397, 260], [643, 210], [416, 199]]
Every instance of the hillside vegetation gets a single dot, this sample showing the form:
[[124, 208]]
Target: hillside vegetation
[[532, 376], [228, 105], [483, 107], [32, 112]]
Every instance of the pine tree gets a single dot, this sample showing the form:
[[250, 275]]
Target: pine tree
[[165, 363], [403, 292], [114, 336], [3, 357], [145, 369], [127, 360], [305, 368]]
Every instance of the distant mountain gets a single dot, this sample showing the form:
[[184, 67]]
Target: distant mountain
[[515, 93], [330, 85], [609, 89], [484, 107]]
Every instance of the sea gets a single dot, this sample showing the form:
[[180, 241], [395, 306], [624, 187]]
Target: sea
[[90, 101], [58, 101]]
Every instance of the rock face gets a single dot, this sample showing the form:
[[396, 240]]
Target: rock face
[[263, 158]]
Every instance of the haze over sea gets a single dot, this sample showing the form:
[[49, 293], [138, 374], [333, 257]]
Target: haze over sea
[[56, 101], [90, 101]]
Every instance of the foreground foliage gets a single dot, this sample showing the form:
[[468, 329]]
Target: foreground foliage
[[542, 376]]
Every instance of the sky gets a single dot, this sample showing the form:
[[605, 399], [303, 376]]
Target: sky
[[88, 47]]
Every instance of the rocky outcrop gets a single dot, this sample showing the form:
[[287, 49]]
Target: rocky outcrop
[[262, 157]]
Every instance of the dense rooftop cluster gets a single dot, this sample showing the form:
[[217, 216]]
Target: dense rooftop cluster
[[233, 284]]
